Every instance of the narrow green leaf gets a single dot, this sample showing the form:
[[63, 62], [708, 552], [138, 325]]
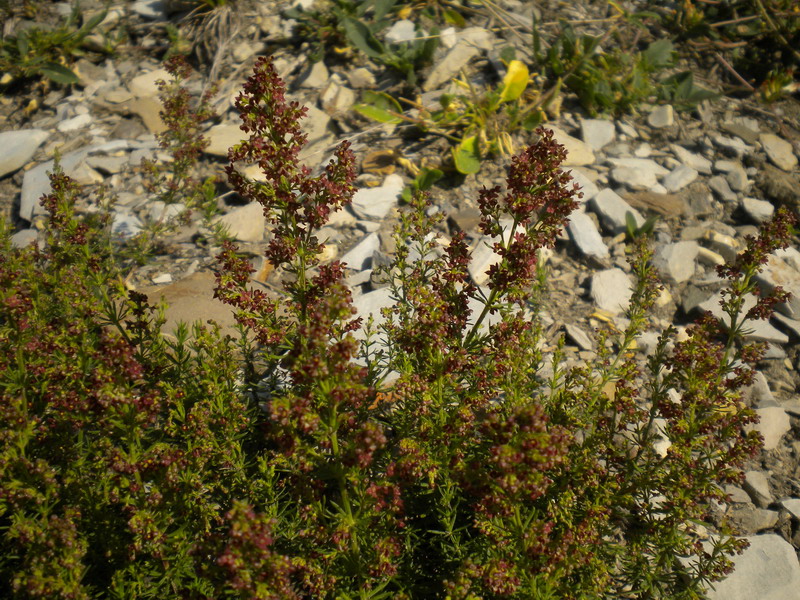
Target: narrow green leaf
[[93, 22], [453, 17], [379, 107], [382, 8], [376, 114], [630, 224], [362, 38], [58, 73]]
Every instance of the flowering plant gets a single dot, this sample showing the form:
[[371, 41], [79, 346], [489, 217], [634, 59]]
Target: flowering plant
[[425, 453]]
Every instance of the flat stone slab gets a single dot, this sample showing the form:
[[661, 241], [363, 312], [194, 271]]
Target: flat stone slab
[[611, 290], [779, 151], [767, 570], [578, 153], [245, 223], [779, 273], [755, 330], [375, 203], [18, 147], [190, 299]]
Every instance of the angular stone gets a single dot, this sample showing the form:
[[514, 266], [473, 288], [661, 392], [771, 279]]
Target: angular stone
[[337, 99], [471, 41], [773, 424], [36, 183], [787, 324], [192, 299], [667, 205], [793, 506], [752, 520], [24, 238], [611, 290], [779, 185], [315, 76], [597, 132], [245, 223], [741, 130], [579, 336], [734, 146], [754, 330], [125, 225], [612, 210], [641, 164], [722, 188], [375, 203], [75, 123], [357, 256], [767, 570], [758, 210], [679, 178], [690, 159], [484, 256], [676, 261], [222, 137], [588, 187], [756, 485], [758, 393], [661, 116], [146, 84], [633, 178], [17, 148], [370, 305], [778, 273], [150, 9], [401, 31], [578, 152], [779, 151], [585, 235]]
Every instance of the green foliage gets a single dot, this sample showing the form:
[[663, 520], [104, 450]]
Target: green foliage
[[636, 232], [615, 81], [759, 38], [291, 466], [121, 451], [178, 189], [479, 122], [421, 183], [40, 52], [359, 24]]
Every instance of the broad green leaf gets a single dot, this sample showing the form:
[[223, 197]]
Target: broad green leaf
[[466, 156], [508, 54], [659, 53], [515, 81], [427, 177], [533, 120], [58, 73]]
